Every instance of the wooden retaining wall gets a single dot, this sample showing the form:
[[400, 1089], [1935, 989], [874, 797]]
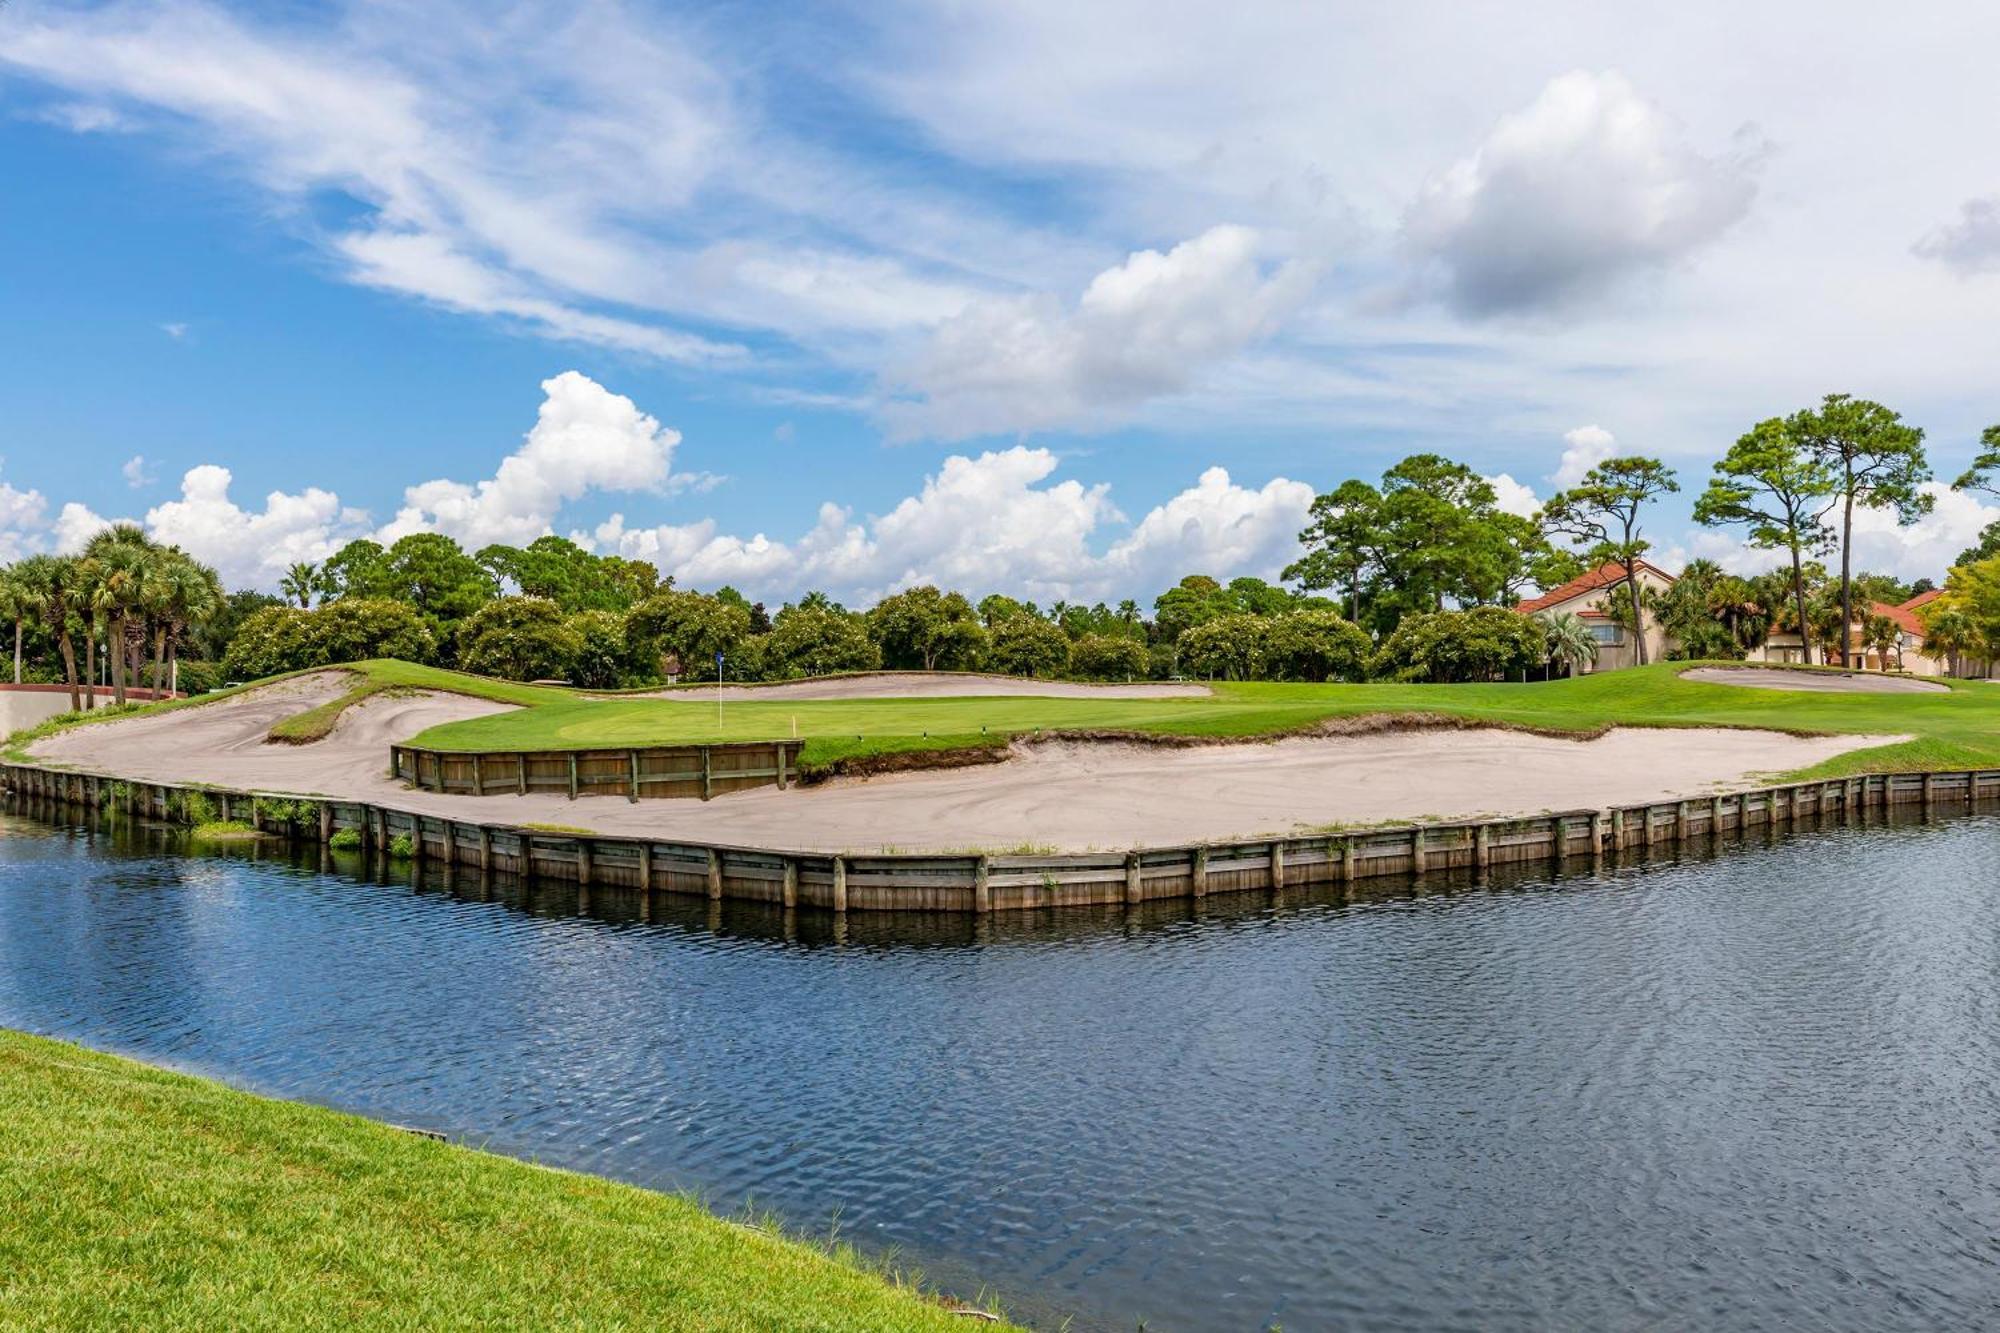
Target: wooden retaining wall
[[1002, 883], [677, 771]]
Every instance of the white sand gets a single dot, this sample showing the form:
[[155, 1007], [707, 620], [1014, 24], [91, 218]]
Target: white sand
[[1814, 682], [224, 742], [928, 685], [1071, 796]]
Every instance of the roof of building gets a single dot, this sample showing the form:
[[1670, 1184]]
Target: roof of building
[[1607, 575], [1905, 618], [1922, 599]]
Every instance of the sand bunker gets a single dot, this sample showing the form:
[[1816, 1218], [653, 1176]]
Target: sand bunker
[[930, 685], [1814, 682], [224, 742], [1071, 796]]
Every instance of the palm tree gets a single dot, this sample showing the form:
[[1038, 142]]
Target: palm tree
[[48, 581], [16, 604], [119, 560], [301, 581], [1570, 641], [1949, 633], [1881, 634], [185, 592]]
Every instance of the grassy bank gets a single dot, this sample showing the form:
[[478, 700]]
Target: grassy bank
[[135, 1198], [1959, 728]]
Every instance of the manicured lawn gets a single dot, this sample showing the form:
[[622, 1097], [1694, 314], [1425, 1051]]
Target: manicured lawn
[[1958, 729], [135, 1198]]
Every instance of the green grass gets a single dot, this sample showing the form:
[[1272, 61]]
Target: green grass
[[1955, 729], [224, 830], [135, 1198]]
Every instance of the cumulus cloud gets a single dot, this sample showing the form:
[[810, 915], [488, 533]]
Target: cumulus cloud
[[1583, 449], [137, 472], [1514, 497], [20, 520], [1970, 243], [585, 438], [993, 522], [1214, 525], [251, 546], [1144, 328], [1586, 185], [1926, 548]]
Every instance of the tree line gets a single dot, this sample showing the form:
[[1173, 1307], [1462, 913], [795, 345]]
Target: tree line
[[1412, 576]]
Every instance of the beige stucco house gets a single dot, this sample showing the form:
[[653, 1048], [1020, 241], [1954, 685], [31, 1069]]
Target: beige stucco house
[[1908, 654], [1587, 596]]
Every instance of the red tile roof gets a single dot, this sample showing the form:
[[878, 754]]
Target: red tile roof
[[1905, 618], [1922, 600], [1606, 575]]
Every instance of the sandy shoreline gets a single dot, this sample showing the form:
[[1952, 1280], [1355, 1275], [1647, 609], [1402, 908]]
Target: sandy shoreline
[[1071, 796]]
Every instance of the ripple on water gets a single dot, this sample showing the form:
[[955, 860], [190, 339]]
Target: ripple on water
[[1758, 1091]]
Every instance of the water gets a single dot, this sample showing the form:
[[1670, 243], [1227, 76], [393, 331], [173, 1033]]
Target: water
[[1760, 1090]]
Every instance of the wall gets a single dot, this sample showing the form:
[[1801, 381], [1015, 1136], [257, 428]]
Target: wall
[[24, 706], [977, 883]]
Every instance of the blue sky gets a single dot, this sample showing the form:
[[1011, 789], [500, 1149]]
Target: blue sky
[[1057, 299]]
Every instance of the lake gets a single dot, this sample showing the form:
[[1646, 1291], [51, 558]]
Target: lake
[[1752, 1089]]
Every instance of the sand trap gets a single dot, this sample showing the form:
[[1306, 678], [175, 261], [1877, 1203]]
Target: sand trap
[[224, 742], [929, 685], [1814, 682], [1069, 796]]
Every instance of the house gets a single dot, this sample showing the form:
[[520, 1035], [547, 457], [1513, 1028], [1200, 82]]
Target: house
[[1587, 596], [1907, 655]]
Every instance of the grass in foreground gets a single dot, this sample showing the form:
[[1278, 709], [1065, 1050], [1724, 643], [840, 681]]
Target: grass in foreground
[[1959, 728], [135, 1198]]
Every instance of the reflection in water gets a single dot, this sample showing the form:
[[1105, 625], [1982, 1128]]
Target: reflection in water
[[1750, 1089]]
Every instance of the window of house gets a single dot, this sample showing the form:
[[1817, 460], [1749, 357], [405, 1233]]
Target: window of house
[[1607, 634]]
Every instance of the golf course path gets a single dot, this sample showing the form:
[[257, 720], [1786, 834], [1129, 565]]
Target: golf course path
[[1814, 682], [1065, 795]]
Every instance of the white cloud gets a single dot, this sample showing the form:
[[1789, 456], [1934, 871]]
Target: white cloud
[[1971, 242], [1585, 447], [177, 331], [75, 525], [1215, 525], [585, 438], [20, 520], [1587, 184], [993, 523], [1926, 548], [1144, 328], [138, 472], [251, 546], [1514, 497]]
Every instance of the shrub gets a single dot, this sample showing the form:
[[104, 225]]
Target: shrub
[[198, 677], [401, 847], [817, 641], [518, 638], [285, 638], [345, 840], [1232, 647], [1316, 646], [1485, 643], [1028, 646], [1108, 657], [688, 627], [601, 659]]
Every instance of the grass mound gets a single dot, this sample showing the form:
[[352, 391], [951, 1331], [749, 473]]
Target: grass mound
[[135, 1198]]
